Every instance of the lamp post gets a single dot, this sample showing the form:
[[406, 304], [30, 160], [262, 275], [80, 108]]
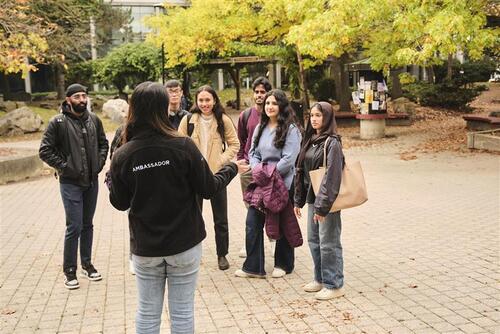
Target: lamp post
[[159, 9]]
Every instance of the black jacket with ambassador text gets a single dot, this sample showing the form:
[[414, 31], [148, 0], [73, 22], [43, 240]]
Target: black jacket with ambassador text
[[159, 178]]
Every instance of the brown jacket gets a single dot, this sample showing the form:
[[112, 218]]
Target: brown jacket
[[215, 157]]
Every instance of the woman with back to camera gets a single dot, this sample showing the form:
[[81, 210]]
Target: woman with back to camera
[[214, 134], [276, 141], [158, 174], [323, 227]]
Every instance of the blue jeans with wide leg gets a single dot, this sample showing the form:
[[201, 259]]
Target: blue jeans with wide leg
[[180, 271], [326, 249], [284, 255], [79, 206]]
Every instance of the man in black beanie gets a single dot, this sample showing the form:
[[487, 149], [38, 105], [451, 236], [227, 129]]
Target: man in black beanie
[[75, 145]]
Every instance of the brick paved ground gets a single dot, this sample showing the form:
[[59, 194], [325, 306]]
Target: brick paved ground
[[421, 256]]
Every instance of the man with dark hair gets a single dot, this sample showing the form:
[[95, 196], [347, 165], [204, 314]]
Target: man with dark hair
[[175, 112], [75, 145], [248, 120]]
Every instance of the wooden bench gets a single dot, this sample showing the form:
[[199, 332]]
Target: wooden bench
[[348, 119], [481, 123]]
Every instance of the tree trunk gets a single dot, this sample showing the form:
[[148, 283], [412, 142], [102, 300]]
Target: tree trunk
[[396, 90], [341, 77], [345, 92], [235, 75], [449, 72], [304, 95], [5, 87], [336, 74], [59, 69]]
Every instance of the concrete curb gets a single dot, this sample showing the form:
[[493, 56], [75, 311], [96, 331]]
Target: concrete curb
[[24, 163]]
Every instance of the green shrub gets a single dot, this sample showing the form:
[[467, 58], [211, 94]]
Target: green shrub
[[466, 73], [323, 89], [447, 94], [80, 72]]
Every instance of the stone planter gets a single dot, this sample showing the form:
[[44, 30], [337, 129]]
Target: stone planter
[[19, 165], [484, 140], [371, 126]]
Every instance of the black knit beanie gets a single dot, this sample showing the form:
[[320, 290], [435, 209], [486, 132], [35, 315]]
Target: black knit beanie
[[75, 88]]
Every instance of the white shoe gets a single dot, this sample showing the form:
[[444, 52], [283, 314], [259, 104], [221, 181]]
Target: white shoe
[[278, 272], [131, 267], [312, 287], [243, 252], [326, 294], [243, 274]]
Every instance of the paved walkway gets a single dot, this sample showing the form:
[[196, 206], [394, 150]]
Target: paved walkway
[[421, 256]]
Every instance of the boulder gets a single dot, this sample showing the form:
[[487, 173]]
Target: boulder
[[20, 121], [403, 105], [8, 106], [116, 110]]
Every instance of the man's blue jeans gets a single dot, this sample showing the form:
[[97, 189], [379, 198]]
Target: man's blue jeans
[[326, 249], [79, 206], [181, 273]]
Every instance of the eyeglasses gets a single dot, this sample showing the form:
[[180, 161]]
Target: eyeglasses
[[81, 96], [174, 91]]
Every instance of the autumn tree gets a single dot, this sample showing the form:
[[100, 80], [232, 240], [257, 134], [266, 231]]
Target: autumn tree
[[224, 28], [69, 40], [23, 36], [426, 33], [335, 32]]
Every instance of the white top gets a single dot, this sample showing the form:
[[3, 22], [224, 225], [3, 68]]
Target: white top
[[205, 124]]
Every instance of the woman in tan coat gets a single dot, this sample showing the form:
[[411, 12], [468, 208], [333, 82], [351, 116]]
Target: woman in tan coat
[[214, 134]]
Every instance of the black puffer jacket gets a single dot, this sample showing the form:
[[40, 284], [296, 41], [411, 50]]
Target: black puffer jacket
[[331, 182], [75, 146]]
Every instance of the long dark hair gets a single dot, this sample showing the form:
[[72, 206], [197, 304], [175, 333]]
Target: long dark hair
[[148, 110], [328, 128], [218, 109], [286, 116]]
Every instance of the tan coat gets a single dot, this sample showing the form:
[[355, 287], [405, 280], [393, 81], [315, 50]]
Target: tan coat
[[215, 157]]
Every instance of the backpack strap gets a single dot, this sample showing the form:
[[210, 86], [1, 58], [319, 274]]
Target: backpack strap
[[246, 116], [190, 126]]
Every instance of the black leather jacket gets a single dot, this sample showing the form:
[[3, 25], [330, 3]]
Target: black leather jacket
[[75, 146], [313, 160]]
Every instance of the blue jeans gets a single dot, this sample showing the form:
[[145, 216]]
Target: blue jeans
[[181, 273], [284, 255], [79, 206], [326, 249]]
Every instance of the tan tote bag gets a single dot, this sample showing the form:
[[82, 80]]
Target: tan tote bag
[[352, 186]]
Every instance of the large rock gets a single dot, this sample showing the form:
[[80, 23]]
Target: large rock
[[116, 110], [403, 105], [8, 106], [20, 121]]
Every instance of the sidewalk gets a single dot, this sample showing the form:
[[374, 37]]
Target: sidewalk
[[421, 256]]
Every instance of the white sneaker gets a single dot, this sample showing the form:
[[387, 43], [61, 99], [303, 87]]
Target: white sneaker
[[131, 267], [242, 274], [243, 252], [278, 272], [312, 287], [326, 294]]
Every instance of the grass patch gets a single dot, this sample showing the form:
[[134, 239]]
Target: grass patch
[[229, 94]]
